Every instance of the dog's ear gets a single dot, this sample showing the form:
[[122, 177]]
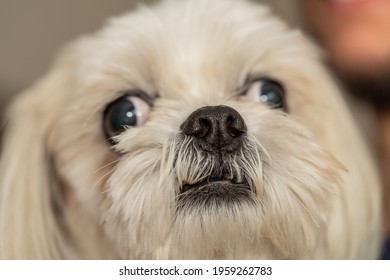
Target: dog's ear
[[28, 225]]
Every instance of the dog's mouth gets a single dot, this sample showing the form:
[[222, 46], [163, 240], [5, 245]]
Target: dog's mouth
[[210, 185], [215, 192]]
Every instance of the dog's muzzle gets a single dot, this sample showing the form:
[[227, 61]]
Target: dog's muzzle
[[217, 131]]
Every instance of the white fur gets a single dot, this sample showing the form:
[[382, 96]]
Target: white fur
[[65, 193]]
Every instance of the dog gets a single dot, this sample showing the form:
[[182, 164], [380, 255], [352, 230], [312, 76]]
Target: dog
[[187, 130]]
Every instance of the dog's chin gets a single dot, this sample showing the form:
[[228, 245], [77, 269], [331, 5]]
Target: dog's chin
[[212, 193]]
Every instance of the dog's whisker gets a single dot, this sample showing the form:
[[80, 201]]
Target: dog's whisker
[[107, 165], [103, 177], [296, 196]]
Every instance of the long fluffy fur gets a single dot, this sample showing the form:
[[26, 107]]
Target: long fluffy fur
[[65, 193]]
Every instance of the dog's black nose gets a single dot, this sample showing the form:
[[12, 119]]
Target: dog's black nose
[[215, 128]]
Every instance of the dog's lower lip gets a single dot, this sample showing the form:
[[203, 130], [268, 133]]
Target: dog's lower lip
[[204, 183]]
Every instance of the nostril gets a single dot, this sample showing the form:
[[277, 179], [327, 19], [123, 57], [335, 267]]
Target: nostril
[[234, 126], [204, 127], [198, 127]]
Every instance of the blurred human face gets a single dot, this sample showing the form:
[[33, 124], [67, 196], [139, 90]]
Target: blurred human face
[[356, 34]]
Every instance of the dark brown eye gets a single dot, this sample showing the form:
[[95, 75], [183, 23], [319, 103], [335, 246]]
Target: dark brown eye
[[267, 91], [124, 112]]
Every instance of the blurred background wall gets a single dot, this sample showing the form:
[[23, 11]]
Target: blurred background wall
[[32, 32]]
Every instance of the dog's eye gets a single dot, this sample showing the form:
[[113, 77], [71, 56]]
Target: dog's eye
[[124, 112], [267, 91]]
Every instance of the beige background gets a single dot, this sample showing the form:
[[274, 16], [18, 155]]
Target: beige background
[[32, 32]]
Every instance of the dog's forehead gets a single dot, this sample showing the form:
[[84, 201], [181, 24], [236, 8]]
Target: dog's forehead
[[193, 47]]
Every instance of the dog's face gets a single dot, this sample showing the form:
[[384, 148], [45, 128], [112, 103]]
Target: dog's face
[[195, 129]]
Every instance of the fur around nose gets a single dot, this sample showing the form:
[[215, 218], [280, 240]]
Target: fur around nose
[[215, 128]]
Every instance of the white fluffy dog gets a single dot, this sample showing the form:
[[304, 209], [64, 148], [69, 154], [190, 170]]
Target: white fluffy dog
[[187, 130]]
